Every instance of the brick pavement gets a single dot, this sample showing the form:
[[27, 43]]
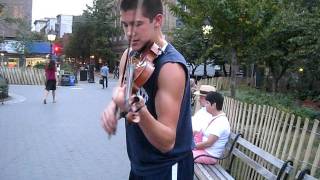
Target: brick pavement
[[61, 141]]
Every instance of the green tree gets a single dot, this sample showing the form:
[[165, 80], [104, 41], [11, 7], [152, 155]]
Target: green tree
[[290, 41], [80, 41], [93, 32], [235, 23]]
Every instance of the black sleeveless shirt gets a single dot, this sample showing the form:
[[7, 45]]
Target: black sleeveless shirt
[[145, 158]]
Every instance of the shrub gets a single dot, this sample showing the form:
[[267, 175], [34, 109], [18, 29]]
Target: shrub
[[284, 102], [3, 88], [40, 65]]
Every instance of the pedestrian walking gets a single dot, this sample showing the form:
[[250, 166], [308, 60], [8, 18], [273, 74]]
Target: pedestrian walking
[[159, 139], [116, 72], [51, 81], [104, 72]]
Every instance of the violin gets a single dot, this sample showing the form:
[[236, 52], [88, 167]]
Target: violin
[[144, 66], [139, 68]]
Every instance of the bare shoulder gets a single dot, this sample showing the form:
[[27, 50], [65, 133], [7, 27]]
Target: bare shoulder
[[172, 75]]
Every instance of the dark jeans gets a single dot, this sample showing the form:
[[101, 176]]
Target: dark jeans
[[105, 79]]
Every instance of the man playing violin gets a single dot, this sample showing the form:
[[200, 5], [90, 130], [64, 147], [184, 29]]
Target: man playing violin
[[159, 143]]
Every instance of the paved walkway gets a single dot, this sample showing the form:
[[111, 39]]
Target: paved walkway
[[61, 141]]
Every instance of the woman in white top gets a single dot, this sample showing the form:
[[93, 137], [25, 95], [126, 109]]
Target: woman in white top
[[215, 134]]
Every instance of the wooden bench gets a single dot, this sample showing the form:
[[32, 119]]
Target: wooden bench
[[283, 168], [305, 175]]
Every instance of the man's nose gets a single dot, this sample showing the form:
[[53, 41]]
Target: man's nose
[[130, 32]]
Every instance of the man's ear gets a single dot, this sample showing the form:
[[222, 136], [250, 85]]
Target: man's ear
[[158, 20]]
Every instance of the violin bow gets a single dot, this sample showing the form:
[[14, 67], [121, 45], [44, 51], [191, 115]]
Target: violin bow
[[129, 67]]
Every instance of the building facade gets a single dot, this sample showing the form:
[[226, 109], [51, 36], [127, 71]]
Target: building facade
[[39, 25], [64, 25], [51, 25], [21, 9]]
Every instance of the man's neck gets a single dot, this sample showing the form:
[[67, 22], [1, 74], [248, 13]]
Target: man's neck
[[216, 113], [160, 39]]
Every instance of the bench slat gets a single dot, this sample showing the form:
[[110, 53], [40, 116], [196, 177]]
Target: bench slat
[[214, 173], [220, 172], [223, 171], [208, 172], [263, 154], [201, 172], [256, 166]]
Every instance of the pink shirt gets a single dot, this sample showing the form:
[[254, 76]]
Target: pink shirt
[[50, 74]]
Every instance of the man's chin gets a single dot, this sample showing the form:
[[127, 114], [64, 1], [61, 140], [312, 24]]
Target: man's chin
[[136, 47]]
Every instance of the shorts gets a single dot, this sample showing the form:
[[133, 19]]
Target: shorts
[[51, 85], [182, 170], [203, 159]]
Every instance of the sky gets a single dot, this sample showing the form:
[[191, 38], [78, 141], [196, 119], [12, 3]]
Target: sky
[[52, 8]]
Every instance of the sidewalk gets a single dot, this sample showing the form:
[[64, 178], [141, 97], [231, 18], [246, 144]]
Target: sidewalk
[[63, 140]]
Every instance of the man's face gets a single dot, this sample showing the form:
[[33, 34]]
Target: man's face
[[210, 107], [202, 100], [138, 29]]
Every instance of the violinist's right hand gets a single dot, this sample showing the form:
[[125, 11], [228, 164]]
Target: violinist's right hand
[[108, 119], [118, 97]]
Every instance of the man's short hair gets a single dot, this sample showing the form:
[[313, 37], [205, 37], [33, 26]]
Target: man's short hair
[[215, 97], [150, 8]]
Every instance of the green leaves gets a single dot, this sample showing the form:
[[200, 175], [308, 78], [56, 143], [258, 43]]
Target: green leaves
[[93, 31], [282, 35]]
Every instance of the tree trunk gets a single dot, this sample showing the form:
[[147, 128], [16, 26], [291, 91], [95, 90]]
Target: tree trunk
[[205, 69], [233, 72], [252, 74], [275, 82], [224, 69]]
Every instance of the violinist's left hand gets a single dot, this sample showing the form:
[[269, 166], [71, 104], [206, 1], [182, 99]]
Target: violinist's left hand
[[137, 103]]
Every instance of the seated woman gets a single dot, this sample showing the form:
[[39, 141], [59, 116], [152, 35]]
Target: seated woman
[[201, 117], [215, 134]]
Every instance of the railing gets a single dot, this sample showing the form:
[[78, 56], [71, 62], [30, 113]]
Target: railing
[[23, 76], [282, 134]]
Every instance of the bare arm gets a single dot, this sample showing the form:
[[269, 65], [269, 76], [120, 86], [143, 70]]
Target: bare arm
[[161, 133], [108, 118], [211, 140]]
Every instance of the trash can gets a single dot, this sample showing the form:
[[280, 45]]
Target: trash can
[[91, 73], [83, 75], [65, 80], [72, 81]]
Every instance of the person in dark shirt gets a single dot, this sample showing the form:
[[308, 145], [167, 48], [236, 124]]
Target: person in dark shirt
[[159, 140], [51, 81]]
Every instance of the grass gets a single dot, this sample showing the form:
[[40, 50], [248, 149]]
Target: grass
[[284, 102]]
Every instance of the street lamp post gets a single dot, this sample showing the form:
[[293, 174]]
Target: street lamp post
[[2, 55], [206, 30], [51, 38]]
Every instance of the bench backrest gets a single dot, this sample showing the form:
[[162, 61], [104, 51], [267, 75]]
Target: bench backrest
[[285, 166]]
